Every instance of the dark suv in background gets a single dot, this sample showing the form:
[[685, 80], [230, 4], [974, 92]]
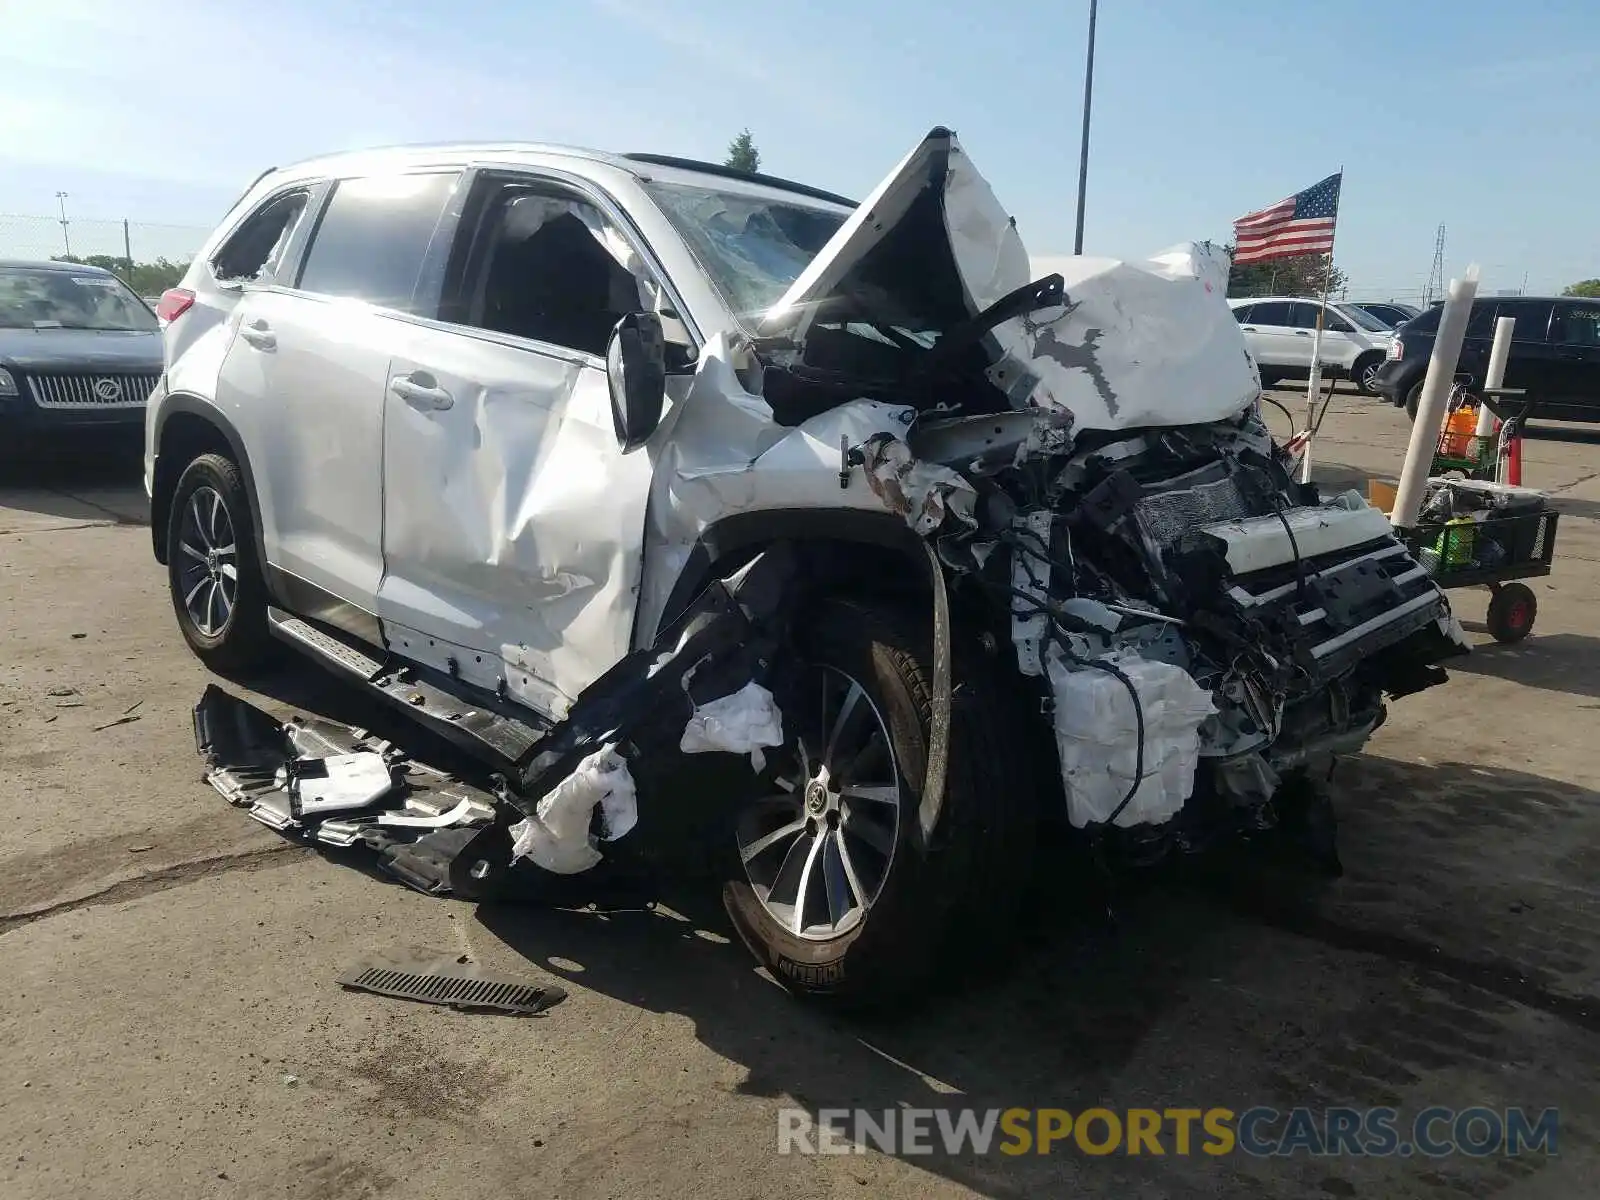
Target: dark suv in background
[[1555, 353]]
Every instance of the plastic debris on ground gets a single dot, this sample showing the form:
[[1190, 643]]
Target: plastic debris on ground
[[1097, 736], [743, 722], [321, 781], [923, 493], [558, 837]]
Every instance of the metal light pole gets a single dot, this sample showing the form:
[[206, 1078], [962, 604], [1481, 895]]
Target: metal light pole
[[61, 199], [1083, 150]]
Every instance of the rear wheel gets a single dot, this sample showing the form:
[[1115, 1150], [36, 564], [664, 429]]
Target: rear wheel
[[213, 573], [1414, 399], [834, 888]]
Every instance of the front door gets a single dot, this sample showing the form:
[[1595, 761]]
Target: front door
[[513, 522], [1575, 342]]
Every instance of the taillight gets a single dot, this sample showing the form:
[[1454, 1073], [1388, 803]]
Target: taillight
[[174, 303], [1397, 349]]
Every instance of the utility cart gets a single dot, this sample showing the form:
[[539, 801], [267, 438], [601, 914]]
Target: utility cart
[[1474, 530]]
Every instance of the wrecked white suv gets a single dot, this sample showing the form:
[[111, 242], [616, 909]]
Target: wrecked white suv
[[589, 461]]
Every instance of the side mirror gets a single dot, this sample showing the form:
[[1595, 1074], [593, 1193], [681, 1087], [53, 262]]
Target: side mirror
[[636, 369]]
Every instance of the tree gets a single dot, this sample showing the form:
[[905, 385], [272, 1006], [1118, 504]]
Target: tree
[[742, 153], [146, 278], [1306, 275], [1584, 287]]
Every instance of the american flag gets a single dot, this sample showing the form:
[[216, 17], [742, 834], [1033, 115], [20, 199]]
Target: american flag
[[1302, 224]]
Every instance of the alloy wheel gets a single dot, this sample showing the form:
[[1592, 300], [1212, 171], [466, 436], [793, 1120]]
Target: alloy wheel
[[818, 849], [208, 575]]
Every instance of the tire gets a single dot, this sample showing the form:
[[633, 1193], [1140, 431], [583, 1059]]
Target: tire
[[1414, 398], [1364, 374], [955, 899], [218, 595], [1512, 611]]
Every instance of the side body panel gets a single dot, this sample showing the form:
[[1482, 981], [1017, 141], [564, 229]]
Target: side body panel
[[512, 520], [305, 376]]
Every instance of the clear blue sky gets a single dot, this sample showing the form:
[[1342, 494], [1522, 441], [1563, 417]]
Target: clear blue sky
[[1481, 115]]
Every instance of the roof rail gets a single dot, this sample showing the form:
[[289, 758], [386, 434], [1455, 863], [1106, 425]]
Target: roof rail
[[726, 172]]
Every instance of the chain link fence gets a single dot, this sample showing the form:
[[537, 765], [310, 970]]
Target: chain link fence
[[148, 256]]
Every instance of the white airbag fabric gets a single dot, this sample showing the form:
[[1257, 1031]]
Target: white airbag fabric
[[557, 837], [739, 723], [1097, 737]]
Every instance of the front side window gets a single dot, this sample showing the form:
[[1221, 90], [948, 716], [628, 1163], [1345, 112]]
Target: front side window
[[255, 250], [38, 298], [1362, 320], [1577, 326], [1241, 314], [373, 236], [752, 247], [549, 268]]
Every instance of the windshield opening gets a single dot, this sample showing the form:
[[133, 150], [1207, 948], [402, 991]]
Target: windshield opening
[[752, 247], [1363, 319], [33, 298]]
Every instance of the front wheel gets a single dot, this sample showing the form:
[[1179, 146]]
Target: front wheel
[[1365, 374], [834, 888], [213, 573]]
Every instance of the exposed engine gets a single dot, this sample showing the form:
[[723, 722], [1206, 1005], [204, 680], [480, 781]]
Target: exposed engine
[[1204, 624]]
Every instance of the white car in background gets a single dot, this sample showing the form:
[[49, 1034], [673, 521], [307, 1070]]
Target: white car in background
[[1280, 331]]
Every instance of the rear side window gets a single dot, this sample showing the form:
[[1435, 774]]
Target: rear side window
[[1481, 323], [373, 236], [1274, 312], [1577, 325], [1533, 319], [1242, 313], [1428, 322], [255, 251]]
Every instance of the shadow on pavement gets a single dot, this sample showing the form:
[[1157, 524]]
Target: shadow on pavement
[[1558, 662], [94, 476], [1228, 980]]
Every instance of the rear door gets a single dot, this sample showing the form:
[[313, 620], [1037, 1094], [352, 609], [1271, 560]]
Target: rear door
[[1532, 364], [319, 344], [1575, 341], [513, 522], [1271, 337]]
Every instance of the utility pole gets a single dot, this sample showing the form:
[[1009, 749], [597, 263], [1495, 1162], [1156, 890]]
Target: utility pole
[[1436, 272], [66, 240], [1083, 146]]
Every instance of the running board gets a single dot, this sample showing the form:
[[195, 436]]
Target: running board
[[482, 726]]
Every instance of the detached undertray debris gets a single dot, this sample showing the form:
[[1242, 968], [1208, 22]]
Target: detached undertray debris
[[322, 781]]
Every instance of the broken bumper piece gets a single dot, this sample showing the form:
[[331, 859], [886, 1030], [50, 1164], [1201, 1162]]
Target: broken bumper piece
[[330, 783]]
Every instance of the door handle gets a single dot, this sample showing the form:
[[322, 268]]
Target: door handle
[[1576, 355], [259, 334], [1249, 328], [420, 392], [1301, 333]]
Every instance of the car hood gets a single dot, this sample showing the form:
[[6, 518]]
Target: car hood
[[132, 351], [1129, 344]]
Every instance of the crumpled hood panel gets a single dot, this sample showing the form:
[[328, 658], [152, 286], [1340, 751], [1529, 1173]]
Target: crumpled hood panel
[[1134, 343]]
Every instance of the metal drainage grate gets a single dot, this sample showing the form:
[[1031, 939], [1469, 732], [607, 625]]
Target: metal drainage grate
[[454, 990]]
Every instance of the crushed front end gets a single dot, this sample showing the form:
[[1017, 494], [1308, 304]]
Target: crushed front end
[[1200, 626]]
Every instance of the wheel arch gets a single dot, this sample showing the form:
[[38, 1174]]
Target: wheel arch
[[187, 428], [858, 553]]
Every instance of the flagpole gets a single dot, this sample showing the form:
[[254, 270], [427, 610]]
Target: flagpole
[[1314, 380]]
